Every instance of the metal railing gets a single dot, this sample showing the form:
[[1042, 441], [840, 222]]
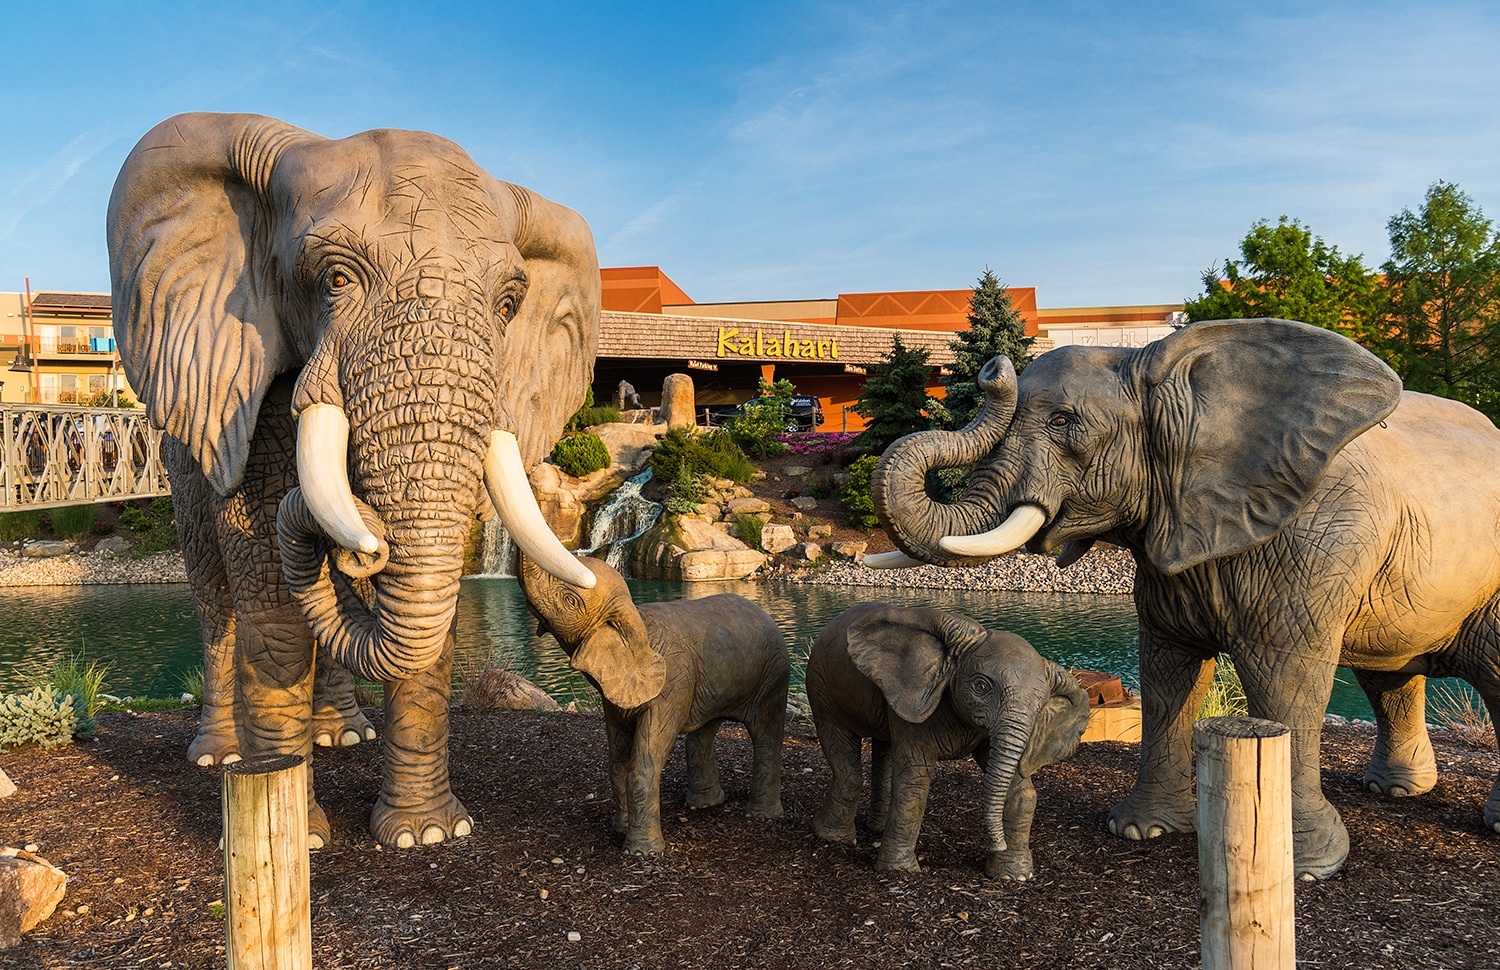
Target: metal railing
[[55, 456]]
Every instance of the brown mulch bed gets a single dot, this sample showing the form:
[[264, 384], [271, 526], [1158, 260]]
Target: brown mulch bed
[[135, 827]]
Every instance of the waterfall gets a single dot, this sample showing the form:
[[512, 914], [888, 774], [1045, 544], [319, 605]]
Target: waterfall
[[622, 518]]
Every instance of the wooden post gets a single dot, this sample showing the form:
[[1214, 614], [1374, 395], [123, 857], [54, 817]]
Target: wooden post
[[267, 896], [1245, 844]]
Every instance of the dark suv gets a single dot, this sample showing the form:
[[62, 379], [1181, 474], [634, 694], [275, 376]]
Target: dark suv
[[804, 413]]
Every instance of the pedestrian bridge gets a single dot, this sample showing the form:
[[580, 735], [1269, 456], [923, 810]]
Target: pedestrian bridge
[[52, 456]]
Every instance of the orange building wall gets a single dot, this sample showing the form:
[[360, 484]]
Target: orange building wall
[[638, 289], [942, 310]]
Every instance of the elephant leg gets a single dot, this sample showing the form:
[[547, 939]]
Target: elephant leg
[[1402, 763], [841, 747], [416, 804], [337, 719], [911, 778], [621, 738], [1174, 681], [1014, 861], [653, 739], [1476, 658], [767, 728], [1297, 697], [703, 790], [880, 785]]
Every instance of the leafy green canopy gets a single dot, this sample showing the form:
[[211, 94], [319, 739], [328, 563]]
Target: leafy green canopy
[[755, 430], [994, 328], [894, 399]]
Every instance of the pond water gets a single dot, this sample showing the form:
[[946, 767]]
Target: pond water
[[149, 636]]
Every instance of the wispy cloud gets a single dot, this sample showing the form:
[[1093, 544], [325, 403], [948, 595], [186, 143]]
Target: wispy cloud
[[43, 182]]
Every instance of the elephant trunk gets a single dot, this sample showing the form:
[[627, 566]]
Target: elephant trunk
[[898, 485], [1009, 738]]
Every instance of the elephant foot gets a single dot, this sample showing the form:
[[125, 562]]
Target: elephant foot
[[1013, 863], [332, 727], [1141, 816], [1492, 815], [438, 820], [214, 746], [760, 808], [875, 822], [904, 860], [319, 834], [1320, 843], [834, 830], [705, 799], [1399, 779], [645, 846], [620, 822]]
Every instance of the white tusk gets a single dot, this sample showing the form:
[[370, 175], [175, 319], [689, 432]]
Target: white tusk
[[1072, 551], [1022, 523], [511, 494], [890, 560], [323, 473]]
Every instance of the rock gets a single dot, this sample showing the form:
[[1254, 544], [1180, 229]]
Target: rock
[[851, 548], [748, 506], [30, 889], [564, 500], [709, 511], [504, 690], [820, 531], [759, 475], [7, 787], [796, 471], [777, 538], [1336, 719], [741, 491], [804, 503], [112, 545], [677, 406], [810, 551], [46, 548], [690, 550]]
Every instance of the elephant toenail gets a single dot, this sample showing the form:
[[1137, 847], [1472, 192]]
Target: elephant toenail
[[1132, 833], [314, 841], [1374, 786], [1399, 793], [204, 760], [350, 736], [323, 739], [1308, 877], [230, 759], [1155, 831], [432, 835], [405, 840], [369, 734], [462, 828]]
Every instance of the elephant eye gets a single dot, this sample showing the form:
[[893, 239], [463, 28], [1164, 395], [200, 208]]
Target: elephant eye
[[981, 685], [338, 279], [1060, 420]]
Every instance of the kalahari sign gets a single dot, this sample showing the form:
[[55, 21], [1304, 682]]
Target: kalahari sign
[[785, 344]]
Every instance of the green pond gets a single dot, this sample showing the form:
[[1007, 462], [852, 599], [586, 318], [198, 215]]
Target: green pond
[[149, 637]]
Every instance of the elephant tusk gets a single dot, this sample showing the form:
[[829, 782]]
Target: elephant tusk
[[510, 492], [1022, 523], [1072, 551], [323, 473], [890, 560]]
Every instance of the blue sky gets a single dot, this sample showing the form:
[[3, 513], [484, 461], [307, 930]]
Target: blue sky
[[1104, 153]]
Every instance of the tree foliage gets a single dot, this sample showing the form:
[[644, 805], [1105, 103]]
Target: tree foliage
[[894, 399], [994, 328], [755, 430], [1443, 283]]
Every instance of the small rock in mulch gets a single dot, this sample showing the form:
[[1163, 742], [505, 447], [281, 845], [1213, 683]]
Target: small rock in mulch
[[7, 787], [30, 889]]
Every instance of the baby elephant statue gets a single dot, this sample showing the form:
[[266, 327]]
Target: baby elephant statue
[[666, 669], [925, 685]]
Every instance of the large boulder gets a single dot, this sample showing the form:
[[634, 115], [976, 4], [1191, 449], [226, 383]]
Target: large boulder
[[46, 548], [677, 402], [688, 549], [30, 889], [776, 538]]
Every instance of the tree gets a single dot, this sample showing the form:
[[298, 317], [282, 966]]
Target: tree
[[994, 328], [756, 428], [1285, 271], [1443, 282], [894, 398]]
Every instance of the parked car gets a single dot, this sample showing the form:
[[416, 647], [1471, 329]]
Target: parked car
[[805, 413]]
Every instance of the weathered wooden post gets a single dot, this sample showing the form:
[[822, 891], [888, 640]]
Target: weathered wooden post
[[1245, 844], [267, 897]]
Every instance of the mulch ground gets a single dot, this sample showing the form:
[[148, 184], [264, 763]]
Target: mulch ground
[[135, 827]]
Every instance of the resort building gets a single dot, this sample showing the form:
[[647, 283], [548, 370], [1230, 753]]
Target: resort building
[[59, 348]]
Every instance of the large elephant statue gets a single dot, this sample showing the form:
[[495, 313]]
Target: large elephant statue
[[1285, 503], [925, 685], [365, 332]]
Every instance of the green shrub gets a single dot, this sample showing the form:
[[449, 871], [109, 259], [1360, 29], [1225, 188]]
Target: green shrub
[[19, 525], [590, 415], [685, 494], [76, 677], [747, 526], [1226, 696], [755, 430], [153, 525], [41, 717], [580, 454], [72, 521], [192, 683], [821, 486], [856, 494], [684, 452]]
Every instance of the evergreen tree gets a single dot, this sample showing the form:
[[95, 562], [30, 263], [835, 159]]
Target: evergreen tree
[[994, 328], [1443, 280], [894, 398]]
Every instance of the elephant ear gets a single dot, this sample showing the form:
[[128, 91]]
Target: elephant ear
[[1242, 419], [618, 656], [551, 344], [189, 242], [911, 654], [1061, 721]]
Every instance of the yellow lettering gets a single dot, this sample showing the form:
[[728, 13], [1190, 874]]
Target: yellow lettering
[[759, 351], [747, 346], [788, 345], [773, 347], [807, 348], [835, 344], [725, 347], [822, 349]]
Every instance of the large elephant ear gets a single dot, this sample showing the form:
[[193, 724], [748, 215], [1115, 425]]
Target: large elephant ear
[[189, 241], [1060, 723], [618, 656], [911, 654], [1242, 419], [551, 344]]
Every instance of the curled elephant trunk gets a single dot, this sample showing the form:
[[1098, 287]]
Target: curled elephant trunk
[[898, 485]]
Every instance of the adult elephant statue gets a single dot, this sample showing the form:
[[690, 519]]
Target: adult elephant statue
[[1284, 501], [379, 321]]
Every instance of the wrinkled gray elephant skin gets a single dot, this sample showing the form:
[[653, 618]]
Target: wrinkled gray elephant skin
[[666, 669], [924, 686], [355, 346], [1285, 502]]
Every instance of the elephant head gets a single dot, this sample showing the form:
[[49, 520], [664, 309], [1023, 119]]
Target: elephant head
[[442, 325], [1197, 446], [1031, 710], [600, 629]]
